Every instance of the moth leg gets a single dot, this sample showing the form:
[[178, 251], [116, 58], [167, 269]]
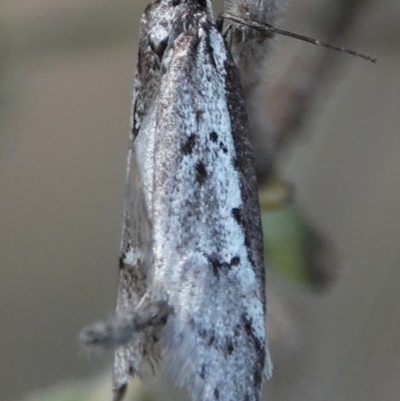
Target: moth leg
[[120, 328], [219, 23], [226, 32]]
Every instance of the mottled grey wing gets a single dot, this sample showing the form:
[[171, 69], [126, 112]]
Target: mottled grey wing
[[208, 248], [135, 253]]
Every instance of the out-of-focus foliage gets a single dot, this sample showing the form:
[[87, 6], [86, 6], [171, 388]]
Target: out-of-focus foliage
[[293, 246]]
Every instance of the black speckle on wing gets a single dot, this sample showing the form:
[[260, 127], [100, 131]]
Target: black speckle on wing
[[201, 173], [188, 146], [248, 327], [237, 214], [211, 340], [235, 261], [223, 147], [217, 265], [229, 346], [214, 136], [257, 377], [203, 372], [199, 116]]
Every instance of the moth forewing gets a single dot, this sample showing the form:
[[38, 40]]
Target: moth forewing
[[191, 265], [208, 259], [136, 244]]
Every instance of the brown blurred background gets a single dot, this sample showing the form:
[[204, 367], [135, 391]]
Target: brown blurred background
[[66, 72]]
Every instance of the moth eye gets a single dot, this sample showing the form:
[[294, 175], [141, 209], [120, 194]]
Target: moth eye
[[158, 46]]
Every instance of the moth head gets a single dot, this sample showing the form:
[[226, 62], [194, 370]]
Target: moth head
[[159, 19]]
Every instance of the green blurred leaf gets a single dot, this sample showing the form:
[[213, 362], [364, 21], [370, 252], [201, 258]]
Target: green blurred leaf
[[285, 243], [294, 247]]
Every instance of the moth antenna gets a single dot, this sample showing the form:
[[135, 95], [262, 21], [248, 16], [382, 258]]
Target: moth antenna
[[268, 29]]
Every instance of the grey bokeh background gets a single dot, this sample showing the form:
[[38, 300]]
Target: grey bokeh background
[[66, 71]]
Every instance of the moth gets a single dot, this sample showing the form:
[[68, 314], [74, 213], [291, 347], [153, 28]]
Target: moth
[[191, 270]]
